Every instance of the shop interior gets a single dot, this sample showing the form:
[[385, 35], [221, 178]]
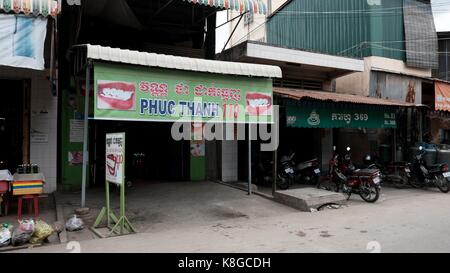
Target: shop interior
[[151, 153], [13, 125]]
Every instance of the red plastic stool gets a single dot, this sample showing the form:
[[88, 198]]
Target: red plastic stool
[[32, 199]]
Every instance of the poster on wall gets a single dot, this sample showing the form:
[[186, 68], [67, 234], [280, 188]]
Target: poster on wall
[[442, 96], [22, 41], [38, 137], [76, 130], [197, 148], [115, 157], [152, 94], [75, 158]]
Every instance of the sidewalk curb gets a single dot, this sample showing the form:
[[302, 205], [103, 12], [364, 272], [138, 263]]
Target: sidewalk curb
[[256, 192], [60, 218]]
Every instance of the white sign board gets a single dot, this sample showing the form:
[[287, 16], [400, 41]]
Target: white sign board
[[115, 158], [22, 41], [76, 130], [39, 138]]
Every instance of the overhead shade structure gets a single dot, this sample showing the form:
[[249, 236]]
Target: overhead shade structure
[[297, 94], [254, 6], [31, 7], [125, 56], [312, 109]]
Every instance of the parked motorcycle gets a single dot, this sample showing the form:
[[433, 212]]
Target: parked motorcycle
[[424, 175], [396, 173], [307, 172], [285, 172], [343, 176]]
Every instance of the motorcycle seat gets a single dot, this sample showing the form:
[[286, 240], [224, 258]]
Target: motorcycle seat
[[435, 168], [366, 172], [400, 163]]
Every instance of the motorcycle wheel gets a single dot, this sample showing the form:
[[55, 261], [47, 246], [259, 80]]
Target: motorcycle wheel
[[314, 180], [369, 193], [284, 182], [400, 184], [415, 182], [328, 185], [442, 184]]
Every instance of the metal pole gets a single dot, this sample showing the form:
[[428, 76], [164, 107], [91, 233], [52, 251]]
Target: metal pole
[[274, 182], [395, 145], [85, 139], [232, 32], [249, 160]]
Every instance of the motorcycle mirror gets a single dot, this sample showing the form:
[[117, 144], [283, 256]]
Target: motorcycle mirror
[[420, 148], [348, 149]]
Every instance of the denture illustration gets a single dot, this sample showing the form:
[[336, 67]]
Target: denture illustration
[[116, 95], [258, 104]]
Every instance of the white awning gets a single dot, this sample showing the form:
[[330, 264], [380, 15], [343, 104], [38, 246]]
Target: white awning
[[95, 52]]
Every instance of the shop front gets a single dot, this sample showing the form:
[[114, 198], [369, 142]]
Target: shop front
[[176, 112], [317, 121], [28, 83]]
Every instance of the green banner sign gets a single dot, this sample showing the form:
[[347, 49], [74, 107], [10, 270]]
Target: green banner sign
[[143, 93], [339, 117]]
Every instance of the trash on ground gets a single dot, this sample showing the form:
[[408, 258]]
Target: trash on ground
[[22, 234], [5, 235], [74, 223], [42, 231]]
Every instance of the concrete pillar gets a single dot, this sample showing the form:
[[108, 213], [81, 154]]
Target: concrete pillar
[[229, 160], [211, 160], [327, 148]]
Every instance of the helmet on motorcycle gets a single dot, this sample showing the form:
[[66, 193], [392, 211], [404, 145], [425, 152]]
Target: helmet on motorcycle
[[367, 159]]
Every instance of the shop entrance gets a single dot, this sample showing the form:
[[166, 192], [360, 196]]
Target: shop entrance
[[151, 153], [14, 125]]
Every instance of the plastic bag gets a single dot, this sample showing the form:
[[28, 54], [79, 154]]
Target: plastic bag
[[22, 234], [27, 225], [5, 236], [74, 223], [58, 226], [42, 231], [20, 237]]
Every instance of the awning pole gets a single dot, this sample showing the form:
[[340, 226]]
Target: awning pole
[[249, 160], [274, 182], [85, 138], [395, 145]]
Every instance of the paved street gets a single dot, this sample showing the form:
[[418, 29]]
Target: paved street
[[404, 220]]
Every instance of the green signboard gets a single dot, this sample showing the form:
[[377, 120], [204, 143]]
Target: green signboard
[[143, 93], [310, 116]]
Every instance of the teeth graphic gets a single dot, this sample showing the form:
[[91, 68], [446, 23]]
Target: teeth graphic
[[258, 102], [110, 162], [114, 93]]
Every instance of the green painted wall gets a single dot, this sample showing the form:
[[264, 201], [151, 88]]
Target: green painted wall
[[73, 109], [350, 28]]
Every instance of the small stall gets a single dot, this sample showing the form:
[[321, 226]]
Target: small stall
[[5, 179], [26, 184]]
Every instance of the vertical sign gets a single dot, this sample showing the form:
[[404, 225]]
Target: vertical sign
[[115, 158]]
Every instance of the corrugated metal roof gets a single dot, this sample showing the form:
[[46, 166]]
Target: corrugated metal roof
[[32, 7], [256, 6], [337, 97], [182, 63]]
